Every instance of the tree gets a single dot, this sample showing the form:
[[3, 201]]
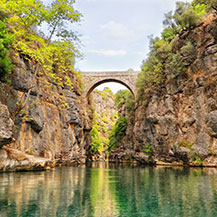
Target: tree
[[54, 58], [117, 133], [184, 17], [61, 14], [124, 97], [209, 4], [162, 61], [6, 40]]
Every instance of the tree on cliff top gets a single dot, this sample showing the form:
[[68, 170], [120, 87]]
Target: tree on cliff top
[[163, 62], [209, 4], [55, 17], [184, 17], [53, 53]]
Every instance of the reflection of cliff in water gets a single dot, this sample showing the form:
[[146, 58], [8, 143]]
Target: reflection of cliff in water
[[110, 191]]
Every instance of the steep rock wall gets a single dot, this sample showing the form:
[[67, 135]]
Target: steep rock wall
[[46, 127], [104, 117], [178, 123]]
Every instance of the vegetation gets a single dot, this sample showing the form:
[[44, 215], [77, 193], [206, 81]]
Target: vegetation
[[197, 159], [6, 39], [102, 124], [205, 5], [186, 144], [97, 143], [117, 133], [107, 131], [147, 149], [106, 92], [53, 52], [124, 97], [165, 62]]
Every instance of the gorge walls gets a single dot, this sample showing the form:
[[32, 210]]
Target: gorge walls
[[53, 126], [177, 123], [174, 123], [105, 114]]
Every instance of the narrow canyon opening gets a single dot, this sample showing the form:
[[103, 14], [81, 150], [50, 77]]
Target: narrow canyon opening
[[112, 111]]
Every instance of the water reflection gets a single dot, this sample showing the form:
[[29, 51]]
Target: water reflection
[[103, 190]]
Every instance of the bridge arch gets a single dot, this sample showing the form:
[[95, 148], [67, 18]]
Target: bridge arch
[[92, 87], [93, 79]]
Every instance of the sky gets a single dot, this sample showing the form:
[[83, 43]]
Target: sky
[[114, 33]]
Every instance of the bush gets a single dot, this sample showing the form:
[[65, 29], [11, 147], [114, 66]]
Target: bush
[[188, 49], [97, 144], [124, 97], [202, 6], [6, 40], [175, 65], [117, 133], [169, 34], [147, 149], [185, 16], [186, 144]]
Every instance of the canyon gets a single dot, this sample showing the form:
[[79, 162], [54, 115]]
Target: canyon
[[173, 125]]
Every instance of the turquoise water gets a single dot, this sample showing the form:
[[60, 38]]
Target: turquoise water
[[103, 190]]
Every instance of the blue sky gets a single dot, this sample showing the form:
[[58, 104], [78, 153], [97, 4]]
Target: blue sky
[[115, 32]]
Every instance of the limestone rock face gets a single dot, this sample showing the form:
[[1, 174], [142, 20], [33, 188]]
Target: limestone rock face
[[179, 123], [104, 103], [105, 114], [6, 126], [211, 121], [53, 126]]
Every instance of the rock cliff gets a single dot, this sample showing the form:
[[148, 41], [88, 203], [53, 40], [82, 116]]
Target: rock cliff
[[178, 123], [175, 124], [104, 117], [54, 124]]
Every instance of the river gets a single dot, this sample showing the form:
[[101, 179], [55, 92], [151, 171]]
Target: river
[[104, 190]]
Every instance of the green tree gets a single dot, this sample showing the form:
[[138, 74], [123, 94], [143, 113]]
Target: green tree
[[6, 40], [125, 97], [97, 144], [117, 133], [162, 61], [55, 53], [183, 18], [102, 123], [60, 14], [207, 4], [152, 74]]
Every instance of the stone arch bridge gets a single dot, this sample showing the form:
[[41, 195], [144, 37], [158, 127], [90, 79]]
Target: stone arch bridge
[[93, 79]]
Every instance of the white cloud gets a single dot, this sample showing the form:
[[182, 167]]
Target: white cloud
[[117, 31], [109, 52], [86, 40]]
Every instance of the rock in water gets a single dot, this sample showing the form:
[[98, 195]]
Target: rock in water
[[14, 160]]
